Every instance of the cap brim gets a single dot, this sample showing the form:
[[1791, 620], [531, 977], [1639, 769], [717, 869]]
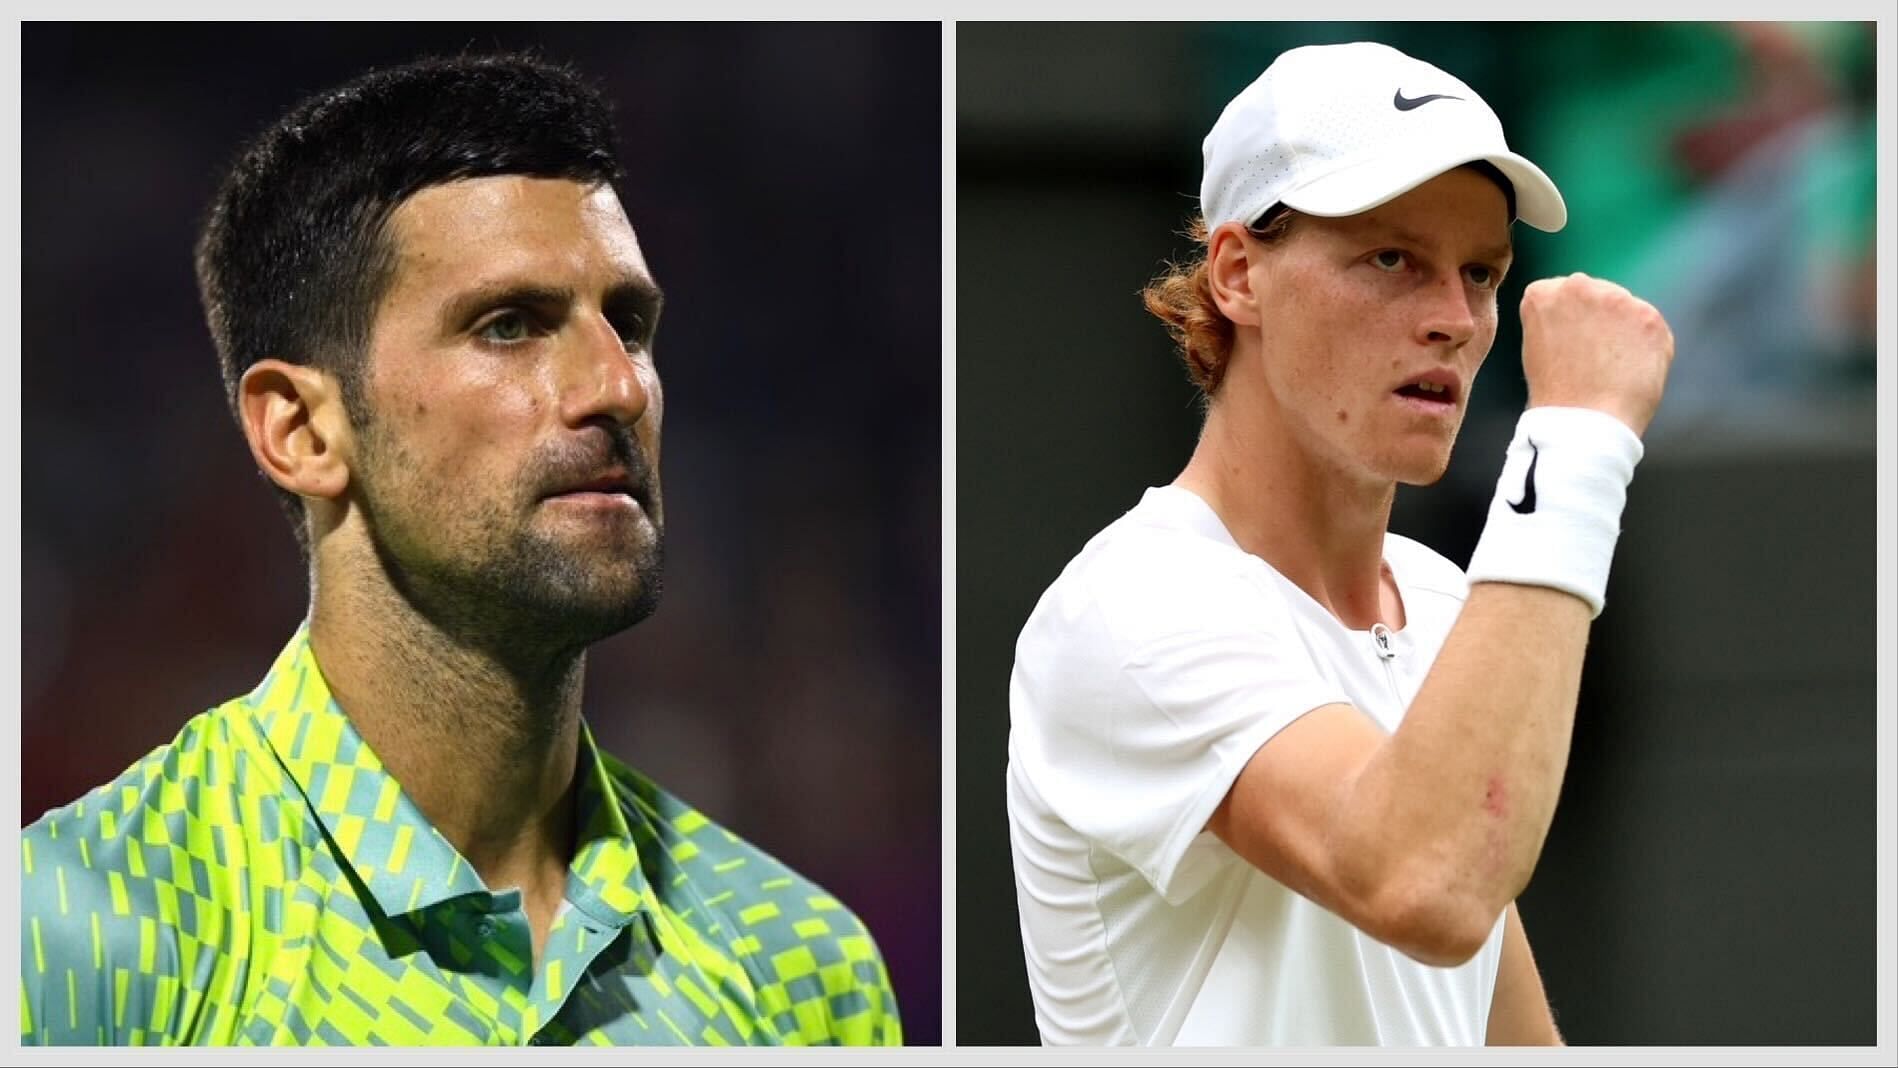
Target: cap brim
[[1359, 187]]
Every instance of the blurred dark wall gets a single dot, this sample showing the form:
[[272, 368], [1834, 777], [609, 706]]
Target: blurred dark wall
[[1709, 877], [784, 182]]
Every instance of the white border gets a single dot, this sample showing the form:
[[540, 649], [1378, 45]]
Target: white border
[[10, 115], [1887, 530], [1886, 634]]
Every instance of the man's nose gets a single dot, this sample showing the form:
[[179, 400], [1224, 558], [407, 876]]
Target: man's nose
[[1448, 317], [601, 378]]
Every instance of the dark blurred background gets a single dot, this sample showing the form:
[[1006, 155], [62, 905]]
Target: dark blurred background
[[1709, 878], [785, 184]]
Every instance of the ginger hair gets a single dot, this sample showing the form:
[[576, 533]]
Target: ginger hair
[[1182, 298]]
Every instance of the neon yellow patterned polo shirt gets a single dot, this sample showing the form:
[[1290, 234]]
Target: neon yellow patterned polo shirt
[[263, 880]]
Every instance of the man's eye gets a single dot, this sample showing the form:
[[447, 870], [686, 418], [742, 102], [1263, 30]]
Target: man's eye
[[632, 332], [507, 327], [1482, 277], [1390, 260]]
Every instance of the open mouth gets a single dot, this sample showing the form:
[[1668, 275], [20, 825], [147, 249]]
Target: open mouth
[[1435, 390], [1425, 391]]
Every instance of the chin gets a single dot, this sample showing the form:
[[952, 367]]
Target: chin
[[1418, 470], [574, 595], [607, 600], [614, 610]]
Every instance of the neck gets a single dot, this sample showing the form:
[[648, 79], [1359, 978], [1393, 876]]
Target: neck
[[486, 749], [1316, 523]]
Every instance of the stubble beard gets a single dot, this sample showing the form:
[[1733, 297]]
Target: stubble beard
[[486, 579]]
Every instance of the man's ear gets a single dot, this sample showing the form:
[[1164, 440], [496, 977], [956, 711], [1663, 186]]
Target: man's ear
[[1229, 256], [298, 430]]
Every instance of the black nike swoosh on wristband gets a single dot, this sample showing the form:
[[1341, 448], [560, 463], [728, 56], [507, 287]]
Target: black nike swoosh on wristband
[[1405, 103], [1528, 502]]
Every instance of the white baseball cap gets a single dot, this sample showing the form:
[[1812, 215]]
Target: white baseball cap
[[1336, 130]]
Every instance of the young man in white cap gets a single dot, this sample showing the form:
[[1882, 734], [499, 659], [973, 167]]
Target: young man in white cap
[[1277, 775]]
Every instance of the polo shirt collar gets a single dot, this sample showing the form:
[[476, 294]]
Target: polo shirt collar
[[394, 851]]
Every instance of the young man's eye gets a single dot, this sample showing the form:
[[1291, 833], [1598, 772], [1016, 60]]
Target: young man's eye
[[1389, 260], [1482, 276]]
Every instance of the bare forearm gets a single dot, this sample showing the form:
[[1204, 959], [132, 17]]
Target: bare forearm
[[1460, 798]]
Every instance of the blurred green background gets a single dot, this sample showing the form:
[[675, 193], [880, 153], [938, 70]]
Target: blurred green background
[[1709, 878]]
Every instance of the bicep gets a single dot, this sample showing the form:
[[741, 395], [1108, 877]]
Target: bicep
[[1519, 1013], [1282, 813]]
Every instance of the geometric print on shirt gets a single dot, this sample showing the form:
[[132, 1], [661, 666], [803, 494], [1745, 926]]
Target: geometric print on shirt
[[263, 880]]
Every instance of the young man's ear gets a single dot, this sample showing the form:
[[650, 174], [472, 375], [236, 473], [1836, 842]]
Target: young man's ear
[[1229, 273], [298, 430]]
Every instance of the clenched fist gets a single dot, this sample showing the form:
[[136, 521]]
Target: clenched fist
[[1588, 343]]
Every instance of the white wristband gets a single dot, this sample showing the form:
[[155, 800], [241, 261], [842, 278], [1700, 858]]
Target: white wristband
[[1557, 510]]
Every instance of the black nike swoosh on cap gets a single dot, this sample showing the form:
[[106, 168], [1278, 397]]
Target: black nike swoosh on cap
[[1405, 103]]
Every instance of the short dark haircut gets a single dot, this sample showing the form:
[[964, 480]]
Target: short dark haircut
[[295, 254]]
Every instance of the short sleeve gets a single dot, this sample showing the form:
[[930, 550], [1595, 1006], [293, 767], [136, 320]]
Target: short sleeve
[[1140, 699], [72, 941], [99, 923]]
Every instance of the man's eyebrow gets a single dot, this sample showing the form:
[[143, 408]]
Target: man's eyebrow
[[1494, 253], [466, 305], [635, 291]]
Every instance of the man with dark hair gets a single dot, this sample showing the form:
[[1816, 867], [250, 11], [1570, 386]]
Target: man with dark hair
[[1277, 775], [436, 329]]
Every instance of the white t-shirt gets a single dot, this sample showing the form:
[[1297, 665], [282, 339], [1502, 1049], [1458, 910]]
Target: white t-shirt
[[1150, 672]]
